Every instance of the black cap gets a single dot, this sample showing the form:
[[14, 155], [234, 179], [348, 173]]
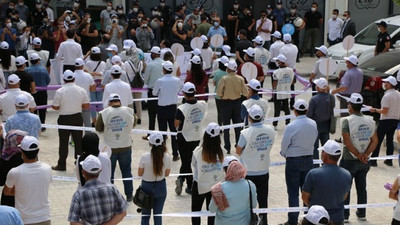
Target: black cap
[[183, 3], [14, 12], [293, 6], [269, 7], [236, 2], [77, 1], [155, 8], [383, 24], [162, 1], [119, 7], [279, 2], [38, 2]]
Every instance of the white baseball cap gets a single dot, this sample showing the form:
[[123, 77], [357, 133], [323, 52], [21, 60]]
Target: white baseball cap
[[91, 164], [155, 50], [115, 69], [250, 51], [196, 52], [277, 34], [321, 83], [254, 84], [280, 58], [13, 79], [115, 59], [316, 213], [37, 41], [223, 60], [29, 143], [95, 50], [128, 43], [20, 60], [323, 49], [4, 45], [228, 160], [168, 66], [34, 56], [79, 62], [331, 147], [259, 40], [189, 88], [300, 105], [195, 59], [356, 98], [256, 112], [287, 38], [204, 38], [114, 97], [227, 50], [155, 138], [68, 75], [21, 100], [231, 65], [353, 59], [112, 47], [213, 129], [391, 79]]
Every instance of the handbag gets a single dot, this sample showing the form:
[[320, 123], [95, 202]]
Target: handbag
[[142, 199], [137, 81], [254, 220], [332, 125]]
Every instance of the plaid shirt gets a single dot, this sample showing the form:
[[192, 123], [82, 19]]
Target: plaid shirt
[[96, 203]]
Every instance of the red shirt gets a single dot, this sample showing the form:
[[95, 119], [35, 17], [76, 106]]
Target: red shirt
[[200, 88]]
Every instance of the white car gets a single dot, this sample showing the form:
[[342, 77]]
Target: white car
[[365, 41]]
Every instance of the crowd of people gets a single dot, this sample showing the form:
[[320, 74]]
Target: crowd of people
[[101, 65]]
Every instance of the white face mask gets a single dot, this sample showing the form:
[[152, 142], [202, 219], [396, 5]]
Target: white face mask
[[384, 86], [293, 11], [139, 19], [154, 13], [120, 11], [313, 9], [135, 10], [379, 29], [38, 6], [162, 4], [109, 8], [88, 20], [9, 25], [180, 24], [279, 6], [334, 16], [216, 24], [21, 4], [11, 7], [67, 18], [235, 6], [76, 5]]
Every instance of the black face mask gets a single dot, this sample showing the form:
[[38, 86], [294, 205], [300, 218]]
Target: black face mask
[[38, 49]]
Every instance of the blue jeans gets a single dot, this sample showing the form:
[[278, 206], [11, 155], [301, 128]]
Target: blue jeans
[[96, 96], [124, 159], [323, 136], [358, 171], [159, 191], [295, 173]]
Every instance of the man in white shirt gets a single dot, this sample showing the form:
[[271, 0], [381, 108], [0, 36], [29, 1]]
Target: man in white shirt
[[29, 183], [7, 100], [262, 55], [167, 89], [119, 87], [321, 53], [289, 50], [68, 51], [274, 51], [334, 27], [264, 28], [70, 99], [85, 81]]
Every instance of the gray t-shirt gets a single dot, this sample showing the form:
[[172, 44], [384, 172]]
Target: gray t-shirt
[[352, 79], [105, 15]]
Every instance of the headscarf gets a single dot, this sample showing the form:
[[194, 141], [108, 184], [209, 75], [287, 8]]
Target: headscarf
[[13, 139], [235, 172]]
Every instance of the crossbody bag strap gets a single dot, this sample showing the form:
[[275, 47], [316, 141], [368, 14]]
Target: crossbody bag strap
[[251, 200], [98, 64]]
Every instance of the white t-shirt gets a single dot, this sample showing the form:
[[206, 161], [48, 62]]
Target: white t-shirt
[[31, 182], [391, 100], [90, 66], [70, 99], [267, 25], [69, 50], [7, 102], [334, 28], [290, 52], [207, 54], [146, 163], [316, 71], [121, 88], [274, 49], [84, 80]]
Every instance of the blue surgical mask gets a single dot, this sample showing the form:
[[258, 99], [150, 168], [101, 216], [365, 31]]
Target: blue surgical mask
[[216, 24], [109, 54]]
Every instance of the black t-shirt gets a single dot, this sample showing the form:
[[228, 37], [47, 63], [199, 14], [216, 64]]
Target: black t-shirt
[[245, 21], [381, 40], [233, 12], [26, 80], [86, 41], [240, 46], [312, 19], [38, 17], [179, 116]]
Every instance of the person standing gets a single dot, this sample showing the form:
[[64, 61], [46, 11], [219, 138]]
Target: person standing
[[241, 45], [261, 55], [68, 51], [230, 89], [105, 16], [289, 50], [154, 167], [321, 53], [116, 122], [249, 57], [334, 27], [43, 54], [313, 20], [383, 43], [360, 140], [290, 18], [349, 27], [254, 86], [275, 47], [27, 82], [330, 178], [232, 17], [119, 87], [297, 147], [279, 14], [218, 75], [114, 32], [29, 183], [189, 119], [69, 100], [254, 147], [9, 35], [390, 115]]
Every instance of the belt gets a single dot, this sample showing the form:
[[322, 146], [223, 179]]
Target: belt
[[299, 157]]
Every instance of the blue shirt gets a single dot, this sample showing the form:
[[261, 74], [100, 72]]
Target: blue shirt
[[8, 39], [330, 179], [153, 72], [321, 107], [39, 74], [280, 16], [243, 111], [352, 79], [26, 121], [220, 30], [10, 216], [299, 137]]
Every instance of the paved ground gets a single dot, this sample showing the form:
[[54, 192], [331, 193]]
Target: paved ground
[[62, 191]]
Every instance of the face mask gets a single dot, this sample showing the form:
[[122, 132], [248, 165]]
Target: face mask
[[88, 20], [120, 12], [21, 4], [279, 6], [162, 4], [144, 25], [45, 20], [67, 18], [76, 5], [115, 21], [135, 10], [383, 86], [313, 9], [180, 24], [11, 7], [269, 12], [235, 6], [9, 25], [154, 13], [139, 19], [334, 17], [27, 33], [109, 54], [379, 29], [38, 6], [109, 8], [293, 11], [216, 24]]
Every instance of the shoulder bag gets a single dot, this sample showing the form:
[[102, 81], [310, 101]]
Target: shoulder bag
[[254, 220], [137, 81], [142, 199]]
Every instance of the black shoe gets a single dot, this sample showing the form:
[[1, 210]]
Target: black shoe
[[129, 198], [59, 168], [178, 188], [93, 125], [388, 162], [139, 121], [188, 190], [175, 158], [297, 60], [339, 140], [43, 129], [285, 223], [373, 163]]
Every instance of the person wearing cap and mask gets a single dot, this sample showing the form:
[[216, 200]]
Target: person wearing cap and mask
[[154, 167], [297, 148], [88, 32], [254, 147], [189, 119], [208, 155], [37, 48], [115, 61], [118, 86], [330, 178], [389, 118], [110, 208], [118, 137], [242, 44], [7, 100], [144, 36], [320, 109], [321, 54], [29, 183], [27, 81], [334, 27], [280, 15], [313, 20], [69, 50], [275, 47], [114, 31], [217, 76], [383, 43], [231, 88], [264, 29], [166, 89], [316, 215], [105, 16], [261, 55], [249, 57], [359, 141], [69, 100], [254, 86], [112, 50], [23, 119]]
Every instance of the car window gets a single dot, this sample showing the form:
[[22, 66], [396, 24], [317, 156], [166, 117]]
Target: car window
[[369, 34], [383, 62]]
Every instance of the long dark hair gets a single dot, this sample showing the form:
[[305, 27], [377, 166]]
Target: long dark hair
[[90, 146], [95, 57], [5, 57], [197, 73], [221, 66], [212, 149], [157, 156], [168, 57]]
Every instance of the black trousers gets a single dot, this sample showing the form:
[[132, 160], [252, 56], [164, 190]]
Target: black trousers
[[197, 204], [395, 222], [152, 109], [69, 67], [385, 128], [186, 152], [165, 119], [282, 104], [218, 103], [261, 183], [69, 120], [231, 111], [41, 99]]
